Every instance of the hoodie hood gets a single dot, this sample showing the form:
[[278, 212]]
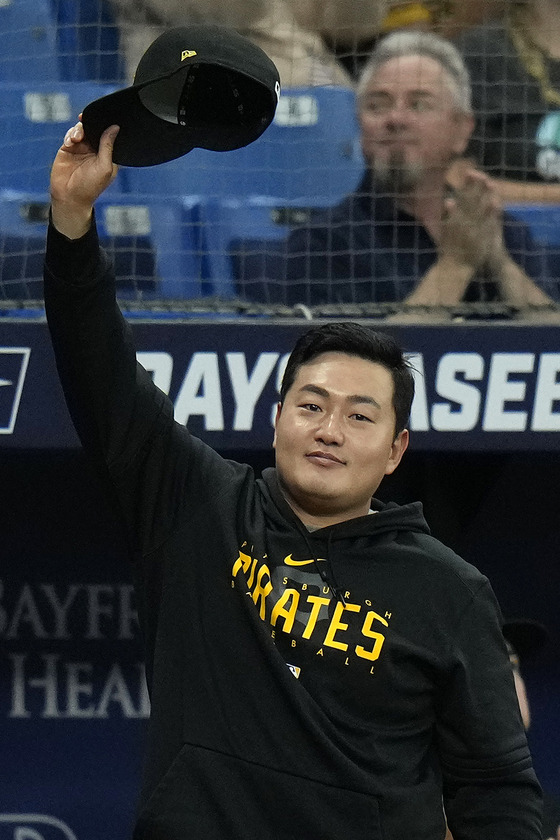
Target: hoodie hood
[[325, 547], [389, 517]]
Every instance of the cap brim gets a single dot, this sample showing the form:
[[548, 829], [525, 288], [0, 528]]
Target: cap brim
[[143, 138], [525, 635]]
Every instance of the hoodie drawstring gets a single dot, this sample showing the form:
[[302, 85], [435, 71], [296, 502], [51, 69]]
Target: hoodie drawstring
[[323, 566]]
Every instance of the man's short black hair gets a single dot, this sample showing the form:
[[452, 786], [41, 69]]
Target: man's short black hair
[[356, 340]]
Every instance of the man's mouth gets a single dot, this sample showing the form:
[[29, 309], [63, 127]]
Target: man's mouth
[[323, 457], [396, 142]]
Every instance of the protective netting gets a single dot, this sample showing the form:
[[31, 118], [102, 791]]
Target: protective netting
[[211, 231]]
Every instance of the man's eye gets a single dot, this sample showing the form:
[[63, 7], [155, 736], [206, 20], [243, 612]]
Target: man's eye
[[311, 407], [378, 106], [362, 417], [421, 105]]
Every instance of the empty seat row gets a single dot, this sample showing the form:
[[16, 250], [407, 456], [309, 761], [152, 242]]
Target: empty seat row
[[309, 151], [55, 40], [308, 156], [178, 248]]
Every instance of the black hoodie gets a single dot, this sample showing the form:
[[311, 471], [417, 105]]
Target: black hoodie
[[340, 684]]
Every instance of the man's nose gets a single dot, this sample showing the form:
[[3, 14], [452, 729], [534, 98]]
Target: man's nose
[[398, 112], [330, 429], [398, 115]]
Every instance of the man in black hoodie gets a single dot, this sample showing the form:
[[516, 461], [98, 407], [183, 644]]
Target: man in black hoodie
[[319, 666]]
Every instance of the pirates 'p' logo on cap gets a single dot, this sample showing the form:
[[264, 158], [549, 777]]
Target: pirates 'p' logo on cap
[[187, 54]]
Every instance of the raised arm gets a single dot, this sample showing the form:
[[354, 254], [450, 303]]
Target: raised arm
[[116, 409], [527, 192], [93, 345]]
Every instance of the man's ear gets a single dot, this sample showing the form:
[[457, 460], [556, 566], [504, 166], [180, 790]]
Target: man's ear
[[398, 448], [278, 412], [465, 127]]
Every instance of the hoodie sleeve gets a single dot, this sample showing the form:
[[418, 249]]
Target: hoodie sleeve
[[153, 467], [490, 788], [94, 351]]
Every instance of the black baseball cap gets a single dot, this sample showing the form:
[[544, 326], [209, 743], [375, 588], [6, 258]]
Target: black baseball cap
[[201, 86], [525, 635]]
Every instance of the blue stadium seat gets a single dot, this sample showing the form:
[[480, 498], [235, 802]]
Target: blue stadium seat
[[244, 236], [172, 226], [88, 42], [543, 220], [34, 117], [28, 41], [153, 244], [309, 152], [23, 228]]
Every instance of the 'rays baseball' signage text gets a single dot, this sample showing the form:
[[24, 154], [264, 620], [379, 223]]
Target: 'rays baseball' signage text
[[13, 367], [477, 387], [509, 392]]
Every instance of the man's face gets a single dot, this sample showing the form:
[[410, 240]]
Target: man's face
[[335, 437], [410, 126]]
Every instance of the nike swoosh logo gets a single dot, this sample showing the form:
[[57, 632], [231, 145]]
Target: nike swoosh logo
[[288, 561]]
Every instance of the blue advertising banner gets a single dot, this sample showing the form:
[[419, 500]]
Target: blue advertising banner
[[479, 388], [73, 699]]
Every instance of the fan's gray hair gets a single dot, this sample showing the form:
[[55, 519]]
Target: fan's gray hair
[[413, 42]]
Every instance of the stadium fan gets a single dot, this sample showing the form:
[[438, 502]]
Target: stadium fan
[[444, 17], [407, 234], [524, 638], [515, 70], [312, 42], [290, 31]]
